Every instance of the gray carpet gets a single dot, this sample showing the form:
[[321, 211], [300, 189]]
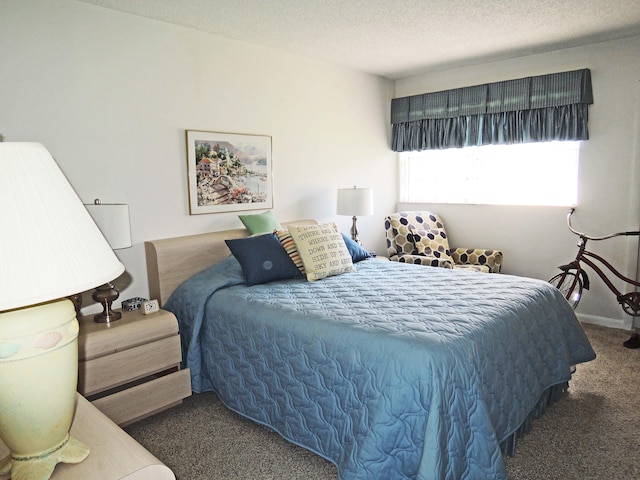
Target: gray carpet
[[592, 433]]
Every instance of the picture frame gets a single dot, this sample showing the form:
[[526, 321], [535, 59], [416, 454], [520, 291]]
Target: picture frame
[[228, 172]]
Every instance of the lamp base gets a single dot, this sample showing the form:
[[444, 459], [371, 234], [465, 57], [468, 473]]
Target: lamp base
[[106, 294], [354, 231], [41, 466], [38, 380]]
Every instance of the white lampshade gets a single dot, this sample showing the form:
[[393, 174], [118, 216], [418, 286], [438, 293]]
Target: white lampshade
[[355, 201], [113, 221], [50, 247]]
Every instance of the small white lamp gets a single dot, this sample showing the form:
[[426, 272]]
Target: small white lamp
[[113, 221], [355, 201], [50, 248]]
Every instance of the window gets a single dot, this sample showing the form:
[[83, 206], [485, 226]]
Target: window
[[521, 174]]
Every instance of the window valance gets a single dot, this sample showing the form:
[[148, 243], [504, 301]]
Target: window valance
[[532, 109]]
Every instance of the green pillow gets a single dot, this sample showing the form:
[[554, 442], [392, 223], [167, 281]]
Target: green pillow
[[260, 223]]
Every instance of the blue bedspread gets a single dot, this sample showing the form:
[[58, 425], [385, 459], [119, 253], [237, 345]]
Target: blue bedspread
[[395, 371]]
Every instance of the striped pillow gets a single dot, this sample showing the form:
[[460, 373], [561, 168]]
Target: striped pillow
[[290, 247]]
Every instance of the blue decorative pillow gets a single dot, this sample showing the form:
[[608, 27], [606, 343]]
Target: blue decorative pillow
[[263, 259], [356, 251]]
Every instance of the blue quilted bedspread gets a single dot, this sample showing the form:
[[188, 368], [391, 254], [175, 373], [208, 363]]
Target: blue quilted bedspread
[[394, 371]]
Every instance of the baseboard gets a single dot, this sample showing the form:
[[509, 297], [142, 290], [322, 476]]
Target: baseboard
[[605, 321]]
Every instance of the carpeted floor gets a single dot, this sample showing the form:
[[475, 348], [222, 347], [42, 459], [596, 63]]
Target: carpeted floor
[[592, 433]]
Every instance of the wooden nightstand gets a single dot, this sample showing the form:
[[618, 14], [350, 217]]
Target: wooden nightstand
[[130, 369]]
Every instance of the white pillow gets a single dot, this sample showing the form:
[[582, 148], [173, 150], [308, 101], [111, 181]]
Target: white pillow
[[322, 250]]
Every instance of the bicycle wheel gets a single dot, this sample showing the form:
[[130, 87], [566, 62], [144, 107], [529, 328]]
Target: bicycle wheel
[[631, 303], [570, 285]]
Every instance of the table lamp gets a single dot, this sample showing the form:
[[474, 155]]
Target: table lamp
[[355, 201], [50, 248], [113, 221]]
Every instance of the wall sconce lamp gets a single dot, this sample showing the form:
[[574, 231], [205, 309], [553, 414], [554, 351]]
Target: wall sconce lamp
[[355, 201], [113, 221], [50, 248]]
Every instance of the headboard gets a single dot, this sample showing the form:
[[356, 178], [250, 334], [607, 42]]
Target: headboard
[[170, 261]]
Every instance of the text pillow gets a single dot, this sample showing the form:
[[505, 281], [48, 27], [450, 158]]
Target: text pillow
[[322, 250]]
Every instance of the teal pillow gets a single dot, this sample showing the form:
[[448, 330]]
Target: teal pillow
[[260, 222], [263, 259], [355, 250]]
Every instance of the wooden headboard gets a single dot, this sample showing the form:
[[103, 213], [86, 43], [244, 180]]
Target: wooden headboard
[[170, 261]]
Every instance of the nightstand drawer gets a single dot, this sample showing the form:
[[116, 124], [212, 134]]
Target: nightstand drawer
[[106, 372], [99, 339], [135, 403]]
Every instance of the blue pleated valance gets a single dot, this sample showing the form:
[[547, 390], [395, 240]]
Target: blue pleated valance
[[532, 109]]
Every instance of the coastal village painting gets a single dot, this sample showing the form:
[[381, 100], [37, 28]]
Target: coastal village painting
[[228, 172]]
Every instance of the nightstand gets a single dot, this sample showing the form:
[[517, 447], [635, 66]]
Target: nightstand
[[130, 369], [114, 454]]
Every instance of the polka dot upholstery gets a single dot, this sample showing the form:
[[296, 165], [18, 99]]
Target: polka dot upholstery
[[431, 243], [419, 237]]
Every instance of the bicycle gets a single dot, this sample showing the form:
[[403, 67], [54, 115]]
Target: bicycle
[[573, 279]]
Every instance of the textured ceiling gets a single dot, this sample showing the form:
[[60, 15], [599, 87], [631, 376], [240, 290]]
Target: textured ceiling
[[398, 38]]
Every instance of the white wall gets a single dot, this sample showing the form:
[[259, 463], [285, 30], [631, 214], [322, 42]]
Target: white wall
[[111, 95], [535, 239]]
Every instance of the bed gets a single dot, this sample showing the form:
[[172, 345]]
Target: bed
[[391, 371]]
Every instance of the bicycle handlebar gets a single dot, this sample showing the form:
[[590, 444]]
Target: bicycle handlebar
[[584, 235]]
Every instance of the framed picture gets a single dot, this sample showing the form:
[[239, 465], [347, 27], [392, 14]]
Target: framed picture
[[228, 172]]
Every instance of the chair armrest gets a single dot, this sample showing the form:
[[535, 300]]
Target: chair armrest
[[478, 256], [423, 260]]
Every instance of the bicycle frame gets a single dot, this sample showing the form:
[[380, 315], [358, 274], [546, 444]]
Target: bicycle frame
[[583, 256], [590, 259]]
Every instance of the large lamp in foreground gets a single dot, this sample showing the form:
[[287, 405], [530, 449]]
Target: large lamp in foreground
[[355, 202], [50, 248]]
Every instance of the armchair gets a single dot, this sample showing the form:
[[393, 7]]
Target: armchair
[[420, 238]]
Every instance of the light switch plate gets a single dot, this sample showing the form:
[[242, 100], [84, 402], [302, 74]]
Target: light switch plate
[[150, 306]]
